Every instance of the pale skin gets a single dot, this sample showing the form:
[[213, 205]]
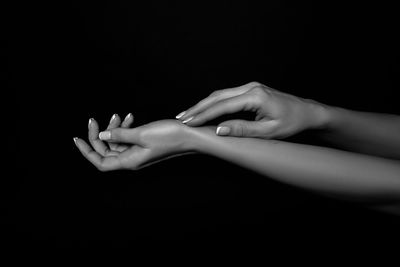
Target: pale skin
[[369, 174]]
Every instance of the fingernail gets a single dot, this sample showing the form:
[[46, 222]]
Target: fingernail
[[128, 116], [180, 115], [187, 120], [75, 139], [113, 117], [223, 130], [106, 135], [90, 122]]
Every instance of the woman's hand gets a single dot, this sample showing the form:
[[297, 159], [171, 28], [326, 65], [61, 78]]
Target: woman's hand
[[133, 148], [278, 115]]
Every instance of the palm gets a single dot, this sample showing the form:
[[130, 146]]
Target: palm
[[151, 143], [158, 140]]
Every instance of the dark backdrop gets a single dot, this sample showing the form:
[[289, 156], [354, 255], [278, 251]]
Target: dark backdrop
[[68, 62]]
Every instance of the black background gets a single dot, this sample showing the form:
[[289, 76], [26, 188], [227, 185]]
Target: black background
[[65, 63]]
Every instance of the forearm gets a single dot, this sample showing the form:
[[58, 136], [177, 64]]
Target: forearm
[[325, 170], [364, 132]]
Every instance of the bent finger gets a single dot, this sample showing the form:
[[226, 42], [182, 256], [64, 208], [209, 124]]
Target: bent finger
[[243, 128], [228, 106], [98, 145], [127, 122], [122, 135], [101, 163], [213, 98], [115, 121]]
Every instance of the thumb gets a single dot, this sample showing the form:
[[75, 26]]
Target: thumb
[[242, 128], [120, 135]]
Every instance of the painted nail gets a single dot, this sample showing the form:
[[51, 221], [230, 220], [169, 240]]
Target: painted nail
[[128, 116], [90, 122], [75, 140], [223, 130], [113, 118], [106, 135], [187, 120], [180, 115]]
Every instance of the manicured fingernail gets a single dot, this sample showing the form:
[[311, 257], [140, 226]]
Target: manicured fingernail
[[223, 130], [113, 118], [106, 135], [128, 116], [75, 139], [90, 122], [187, 120], [180, 115]]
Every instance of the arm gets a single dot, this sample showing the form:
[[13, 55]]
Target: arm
[[364, 132], [352, 176], [280, 115], [358, 177]]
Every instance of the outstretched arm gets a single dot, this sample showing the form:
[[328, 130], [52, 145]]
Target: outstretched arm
[[358, 177], [329, 171], [364, 132], [280, 115]]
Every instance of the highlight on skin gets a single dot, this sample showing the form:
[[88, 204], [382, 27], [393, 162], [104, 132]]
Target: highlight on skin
[[367, 171]]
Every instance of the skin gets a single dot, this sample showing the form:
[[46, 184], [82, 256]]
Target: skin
[[364, 178], [133, 148], [278, 114], [281, 115]]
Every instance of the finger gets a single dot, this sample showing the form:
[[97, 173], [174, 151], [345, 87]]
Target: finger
[[122, 135], [127, 122], [242, 128], [115, 121], [231, 105], [101, 163], [98, 145], [214, 97]]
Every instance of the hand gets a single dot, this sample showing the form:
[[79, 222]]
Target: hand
[[278, 114], [133, 148]]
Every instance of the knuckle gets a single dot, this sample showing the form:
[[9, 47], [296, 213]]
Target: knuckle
[[253, 84], [238, 129], [216, 93], [258, 94], [255, 99], [114, 133], [259, 90], [242, 130]]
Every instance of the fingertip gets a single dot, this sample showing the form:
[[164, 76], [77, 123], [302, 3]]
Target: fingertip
[[188, 120], [90, 122], [180, 115], [223, 130], [106, 135], [75, 140], [129, 117], [114, 116], [127, 121]]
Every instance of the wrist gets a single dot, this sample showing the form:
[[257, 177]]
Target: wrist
[[198, 138], [322, 115], [332, 115]]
